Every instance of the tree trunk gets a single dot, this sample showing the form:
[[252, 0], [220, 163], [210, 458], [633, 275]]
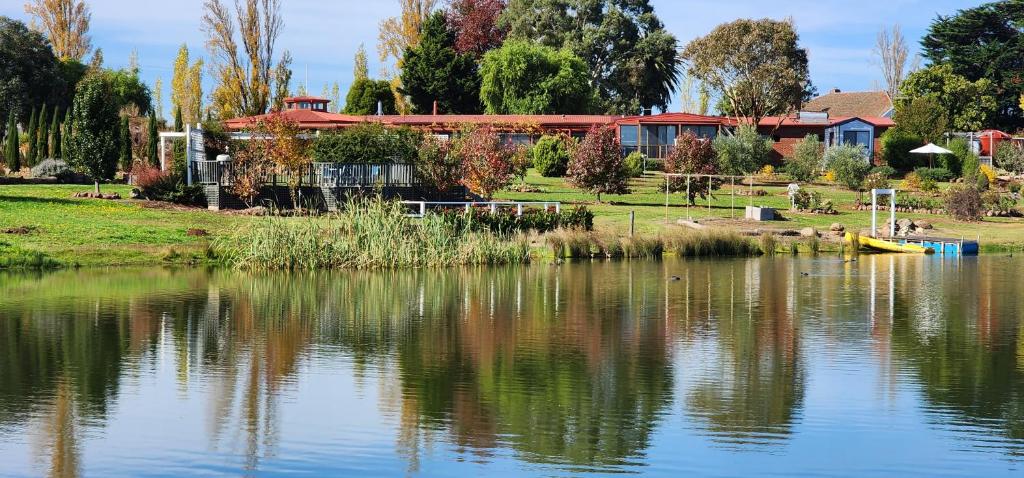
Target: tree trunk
[[97, 183]]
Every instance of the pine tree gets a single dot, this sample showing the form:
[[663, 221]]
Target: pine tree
[[65, 146], [126, 144], [42, 137], [151, 145], [55, 140], [179, 125], [31, 132], [11, 154]]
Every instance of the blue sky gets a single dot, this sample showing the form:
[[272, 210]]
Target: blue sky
[[323, 34]]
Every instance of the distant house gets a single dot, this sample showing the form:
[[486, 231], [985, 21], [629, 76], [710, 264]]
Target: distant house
[[785, 132], [863, 104]]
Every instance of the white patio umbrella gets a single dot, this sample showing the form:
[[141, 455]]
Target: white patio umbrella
[[931, 150]]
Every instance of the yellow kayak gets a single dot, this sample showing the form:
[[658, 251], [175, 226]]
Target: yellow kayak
[[889, 246]]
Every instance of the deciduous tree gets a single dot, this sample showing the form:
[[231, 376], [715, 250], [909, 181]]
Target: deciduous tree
[[361, 71], [525, 78], [475, 24], [922, 117], [125, 157], [282, 80], [968, 104], [436, 165], [633, 60], [893, 56], [243, 74], [487, 161], [285, 149], [692, 155], [597, 164], [186, 86], [756, 67], [94, 130], [65, 23], [433, 71], [743, 152]]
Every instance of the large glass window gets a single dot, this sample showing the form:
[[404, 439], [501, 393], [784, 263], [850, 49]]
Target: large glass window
[[629, 135], [707, 132], [658, 135], [857, 138]]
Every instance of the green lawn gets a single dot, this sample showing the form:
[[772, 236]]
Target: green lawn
[[93, 232]]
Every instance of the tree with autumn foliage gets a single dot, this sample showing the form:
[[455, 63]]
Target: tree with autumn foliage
[[488, 163], [285, 149], [65, 23], [692, 155], [597, 165], [437, 165], [475, 24]]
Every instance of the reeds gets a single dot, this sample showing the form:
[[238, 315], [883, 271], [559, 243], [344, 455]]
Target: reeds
[[712, 243], [683, 243], [368, 234], [769, 244]]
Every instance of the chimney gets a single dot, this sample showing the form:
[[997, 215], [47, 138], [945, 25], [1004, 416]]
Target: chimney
[[836, 90], [380, 108], [435, 108]]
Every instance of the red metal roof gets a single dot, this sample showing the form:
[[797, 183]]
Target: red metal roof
[[309, 119], [674, 118], [526, 120], [310, 99], [792, 121]]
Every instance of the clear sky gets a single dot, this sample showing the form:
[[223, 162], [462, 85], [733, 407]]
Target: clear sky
[[323, 35]]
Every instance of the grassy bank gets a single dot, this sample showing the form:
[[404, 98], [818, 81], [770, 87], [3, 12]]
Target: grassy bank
[[48, 227]]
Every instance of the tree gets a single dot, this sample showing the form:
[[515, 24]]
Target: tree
[[55, 139], [922, 117], [65, 23], [128, 90], [743, 152], [367, 143], [65, 137], [42, 137], [968, 104], [286, 149], [282, 81], [692, 155], [364, 95], [525, 78], [29, 72], [361, 71], [94, 130], [896, 146], [125, 157], [806, 161], [893, 54], [243, 82], [984, 42], [158, 97], [399, 34], [152, 138], [433, 71], [597, 164], [633, 60], [487, 161], [551, 156], [436, 165], [33, 146], [849, 164], [475, 24], [756, 67], [335, 98], [11, 153], [1010, 157], [186, 86]]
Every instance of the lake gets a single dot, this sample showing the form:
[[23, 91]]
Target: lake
[[886, 366]]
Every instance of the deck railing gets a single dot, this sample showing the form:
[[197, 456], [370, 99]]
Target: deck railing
[[420, 208], [336, 175]]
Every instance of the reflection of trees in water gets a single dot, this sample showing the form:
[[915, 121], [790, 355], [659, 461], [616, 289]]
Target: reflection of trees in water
[[749, 385]]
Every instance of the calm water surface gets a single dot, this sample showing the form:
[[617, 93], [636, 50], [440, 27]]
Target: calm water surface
[[890, 366]]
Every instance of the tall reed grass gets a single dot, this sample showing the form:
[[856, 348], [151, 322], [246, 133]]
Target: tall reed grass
[[373, 233], [683, 243]]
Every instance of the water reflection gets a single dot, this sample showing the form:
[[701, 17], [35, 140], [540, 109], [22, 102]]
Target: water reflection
[[582, 368]]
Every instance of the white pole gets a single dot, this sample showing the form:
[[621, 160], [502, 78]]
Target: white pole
[[163, 151], [188, 154], [892, 214], [874, 213]]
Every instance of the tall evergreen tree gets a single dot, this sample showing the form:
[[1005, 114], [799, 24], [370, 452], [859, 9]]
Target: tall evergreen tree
[[179, 125], [94, 130], [55, 139], [65, 146], [11, 154], [151, 146], [30, 130], [42, 137], [434, 71], [126, 143]]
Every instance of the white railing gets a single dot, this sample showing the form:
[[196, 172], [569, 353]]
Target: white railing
[[492, 206]]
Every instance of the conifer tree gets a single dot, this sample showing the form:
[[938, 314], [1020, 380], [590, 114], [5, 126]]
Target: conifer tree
[[126, 144], [11, 154], [55, 139], [42, 137], [30, 130], [151, 145], [65, 146]]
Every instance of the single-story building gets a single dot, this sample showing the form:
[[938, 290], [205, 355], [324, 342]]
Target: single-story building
[[832, 131], [864, 104]]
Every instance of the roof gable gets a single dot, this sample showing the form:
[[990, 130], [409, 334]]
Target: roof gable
[[854, 103]]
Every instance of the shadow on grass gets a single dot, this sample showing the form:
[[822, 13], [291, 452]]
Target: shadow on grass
[[37, 200]]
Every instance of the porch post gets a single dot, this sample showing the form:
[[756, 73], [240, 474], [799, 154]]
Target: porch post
[[163, 151], [874, 213], [188, 154]]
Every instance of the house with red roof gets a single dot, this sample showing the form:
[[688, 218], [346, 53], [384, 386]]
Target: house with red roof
[[865, 131]]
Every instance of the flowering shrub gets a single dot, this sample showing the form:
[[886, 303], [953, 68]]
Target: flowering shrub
[[989, 173]]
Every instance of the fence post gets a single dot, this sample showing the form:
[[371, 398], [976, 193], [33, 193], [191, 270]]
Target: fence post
[[632, 221], [519, 209], [494, 208]]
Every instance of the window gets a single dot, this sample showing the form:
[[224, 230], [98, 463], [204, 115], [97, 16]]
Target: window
[[857, 138], [657, 135], [702, 131], [629, 135]]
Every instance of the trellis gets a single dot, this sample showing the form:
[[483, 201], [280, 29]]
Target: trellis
[[711, 178]]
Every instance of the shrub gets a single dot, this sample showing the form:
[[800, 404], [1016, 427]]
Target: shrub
[[635, 164], [1010, 157], [157, 185], [1014, 187], [767, 173], [743, 152], [896, 146], [876, 181], [487, 161], [963, 162], [963, 202], [551, 156], [692, 155], [53, 168], [885, 171], [923, 184], [937, 175], [597, 164], [849, 164], [989, 173], [806, 160], [505, 223], [813, 202], [367, 143], [436, 165], [981, 181]]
